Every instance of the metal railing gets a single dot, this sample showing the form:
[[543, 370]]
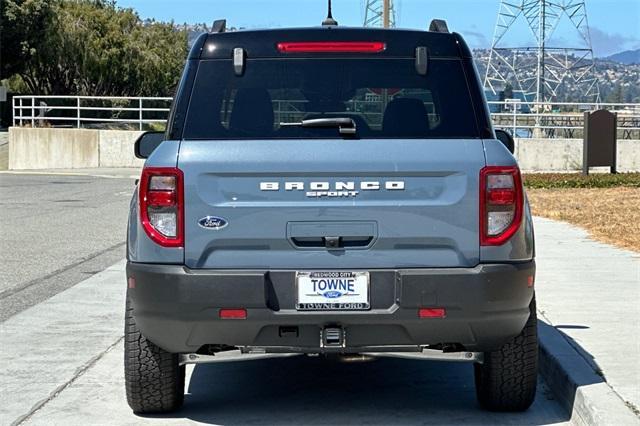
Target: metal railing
[[90, 111], [559, 119], [522, 119]]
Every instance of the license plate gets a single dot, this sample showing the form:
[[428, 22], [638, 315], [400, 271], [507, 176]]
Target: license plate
[[332, 291]]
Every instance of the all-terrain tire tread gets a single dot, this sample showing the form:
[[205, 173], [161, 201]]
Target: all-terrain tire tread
[[507, 379], [154, 380]]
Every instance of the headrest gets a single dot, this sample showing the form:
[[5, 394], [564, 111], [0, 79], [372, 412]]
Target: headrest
[[252, 113], [406, 117]]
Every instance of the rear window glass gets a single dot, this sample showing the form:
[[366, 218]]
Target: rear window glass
[[386, 98]]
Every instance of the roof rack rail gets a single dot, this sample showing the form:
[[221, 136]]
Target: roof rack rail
[[439, 26], [219, 26]]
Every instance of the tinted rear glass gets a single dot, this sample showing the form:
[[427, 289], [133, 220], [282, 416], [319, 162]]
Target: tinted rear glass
[[386, 98]]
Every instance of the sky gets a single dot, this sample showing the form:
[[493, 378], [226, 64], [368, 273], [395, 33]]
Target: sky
[[614, 24]]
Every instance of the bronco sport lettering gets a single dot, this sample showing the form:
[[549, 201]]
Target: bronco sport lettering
[[337, 189]]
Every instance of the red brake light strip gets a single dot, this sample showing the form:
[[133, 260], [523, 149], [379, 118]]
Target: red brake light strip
[[332, 46]]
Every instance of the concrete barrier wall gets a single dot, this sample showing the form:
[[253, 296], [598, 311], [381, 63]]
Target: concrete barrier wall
[[32, 149], [52, 148], [82, 148], [116, 148], [562, 155]]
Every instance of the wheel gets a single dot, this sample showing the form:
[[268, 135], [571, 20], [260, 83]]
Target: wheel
[[153, 377], [507, 379]]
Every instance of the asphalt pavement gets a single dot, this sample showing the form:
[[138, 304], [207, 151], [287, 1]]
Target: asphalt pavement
[[57, 230]]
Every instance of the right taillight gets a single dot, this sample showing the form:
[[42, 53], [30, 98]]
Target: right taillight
[[162, 205], [501, 204]]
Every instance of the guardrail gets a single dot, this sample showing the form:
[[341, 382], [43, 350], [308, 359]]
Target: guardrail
[[522, 119], [90, 111]]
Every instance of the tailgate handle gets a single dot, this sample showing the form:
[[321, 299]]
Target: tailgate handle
[[332, 235], [332, 243]]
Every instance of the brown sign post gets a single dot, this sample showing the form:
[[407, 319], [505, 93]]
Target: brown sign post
[[600, 140]]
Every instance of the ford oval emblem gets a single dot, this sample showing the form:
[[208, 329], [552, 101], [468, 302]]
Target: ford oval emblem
[[332, 294], [213, 222]]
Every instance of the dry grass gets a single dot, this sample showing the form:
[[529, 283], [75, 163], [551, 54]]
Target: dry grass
[[611, 215]]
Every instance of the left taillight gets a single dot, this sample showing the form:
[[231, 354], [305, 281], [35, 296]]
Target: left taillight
[[161, 199], [501, 204]]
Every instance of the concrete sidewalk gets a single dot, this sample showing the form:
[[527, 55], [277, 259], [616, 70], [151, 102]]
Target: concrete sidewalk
[[48, 346], [590, 293]]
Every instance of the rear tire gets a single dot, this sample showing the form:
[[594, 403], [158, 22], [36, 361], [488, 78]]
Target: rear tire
[[154, 379], [507, 379]]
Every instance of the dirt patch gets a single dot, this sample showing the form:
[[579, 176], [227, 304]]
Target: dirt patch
[[611, 215]]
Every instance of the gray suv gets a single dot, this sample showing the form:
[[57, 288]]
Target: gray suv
[[330, 191]]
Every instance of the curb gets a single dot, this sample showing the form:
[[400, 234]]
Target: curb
[[581, 391]]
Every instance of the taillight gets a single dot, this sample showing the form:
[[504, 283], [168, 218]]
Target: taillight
[[332, 47], [501, 204], [162, 205]]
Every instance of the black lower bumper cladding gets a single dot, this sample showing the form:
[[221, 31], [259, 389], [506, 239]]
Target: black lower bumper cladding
[[178, 308]]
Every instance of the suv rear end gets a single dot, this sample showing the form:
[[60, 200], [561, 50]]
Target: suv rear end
[[330, 190]]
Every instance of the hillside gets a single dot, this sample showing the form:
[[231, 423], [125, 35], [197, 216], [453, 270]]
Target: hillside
[[618, 82], [627, 57]]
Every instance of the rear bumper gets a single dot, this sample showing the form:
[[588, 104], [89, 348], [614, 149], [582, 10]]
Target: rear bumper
[[178, 308]]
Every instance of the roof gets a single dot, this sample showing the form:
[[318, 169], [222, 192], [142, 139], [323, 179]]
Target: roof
[[263, 43]]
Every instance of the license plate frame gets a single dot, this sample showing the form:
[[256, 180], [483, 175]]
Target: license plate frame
[[324, 303]]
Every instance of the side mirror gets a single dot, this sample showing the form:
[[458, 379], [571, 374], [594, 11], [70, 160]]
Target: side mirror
[[506, 139], [147, 143]]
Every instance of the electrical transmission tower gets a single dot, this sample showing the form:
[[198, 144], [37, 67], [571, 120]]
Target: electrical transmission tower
[[379, 13], [540, 71]]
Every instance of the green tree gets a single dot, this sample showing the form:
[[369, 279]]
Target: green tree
[[23, 24], [93, 47]]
